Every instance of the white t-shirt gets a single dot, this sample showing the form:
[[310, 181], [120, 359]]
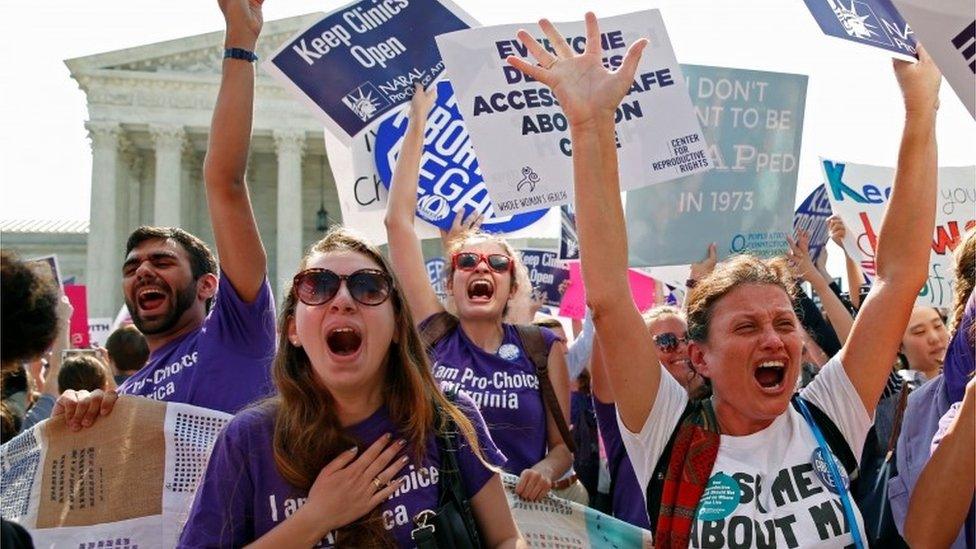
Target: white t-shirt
[[779, 463]]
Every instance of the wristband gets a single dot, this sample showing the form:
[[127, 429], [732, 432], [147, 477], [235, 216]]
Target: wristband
[[240, 53]]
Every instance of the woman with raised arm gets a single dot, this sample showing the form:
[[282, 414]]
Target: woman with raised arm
[[745, 466], [476, 351], [355, 448]]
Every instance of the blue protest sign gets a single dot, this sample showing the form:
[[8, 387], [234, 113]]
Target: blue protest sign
[[361, 60], [568, 239], [811, 216], [546, 273], [437, 272], [753, 121], [450, 178], [870, 22]]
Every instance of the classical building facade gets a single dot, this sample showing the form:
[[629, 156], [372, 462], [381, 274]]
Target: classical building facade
[[149, 115]]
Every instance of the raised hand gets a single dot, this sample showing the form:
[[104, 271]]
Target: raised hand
[[463, 222], [837, 229], [919, 82], [244, 21], [422, 101], [586, 90], [704, 267], [800, 255]]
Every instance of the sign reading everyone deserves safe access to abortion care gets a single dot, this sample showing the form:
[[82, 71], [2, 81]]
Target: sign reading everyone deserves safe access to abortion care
[[362, 60], [522, 136], [859, 194]]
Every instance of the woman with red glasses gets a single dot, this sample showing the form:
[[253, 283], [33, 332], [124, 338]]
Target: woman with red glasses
[[352, 450], [477, 352]]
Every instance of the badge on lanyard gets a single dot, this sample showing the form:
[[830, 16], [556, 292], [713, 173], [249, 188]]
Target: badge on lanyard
[[820, 467]]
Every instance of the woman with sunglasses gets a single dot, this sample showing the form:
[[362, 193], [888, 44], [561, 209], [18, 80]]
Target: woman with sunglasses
[[750, 465], [481, 355], [349, 451]]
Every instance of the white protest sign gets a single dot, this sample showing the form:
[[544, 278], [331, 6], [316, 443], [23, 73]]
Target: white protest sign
[[521, 135], [947, 29], [859, 195], [99, 329]]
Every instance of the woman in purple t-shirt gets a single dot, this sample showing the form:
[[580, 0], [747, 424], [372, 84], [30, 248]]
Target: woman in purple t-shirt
[[347, 453], [482, 356]]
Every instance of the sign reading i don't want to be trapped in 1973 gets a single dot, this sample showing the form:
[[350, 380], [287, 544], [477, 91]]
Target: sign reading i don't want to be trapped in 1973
[[361, 60]]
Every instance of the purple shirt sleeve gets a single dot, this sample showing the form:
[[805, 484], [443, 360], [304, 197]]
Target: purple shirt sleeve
[[474, 473], [222, 514], [249, 328]]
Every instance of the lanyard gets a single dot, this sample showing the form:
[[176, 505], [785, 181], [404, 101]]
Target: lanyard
[[834, 474]]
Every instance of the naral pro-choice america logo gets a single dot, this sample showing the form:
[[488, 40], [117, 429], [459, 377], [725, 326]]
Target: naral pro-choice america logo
[[450, 179], [365, 101], [860, 21]]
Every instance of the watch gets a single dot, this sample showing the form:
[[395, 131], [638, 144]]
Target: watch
[[240, 53]]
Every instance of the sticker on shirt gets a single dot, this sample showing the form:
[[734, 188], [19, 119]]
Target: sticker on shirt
[[509, 352], [720, 499], [822, 470]]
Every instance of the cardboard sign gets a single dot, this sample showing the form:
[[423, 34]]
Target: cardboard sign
[[874, 23], [450, 178], [78, 296], [643, 290], [811, 216], [947, 28], [546, 273], [859, 194], [521, 133], [361, 61], [754, 123]]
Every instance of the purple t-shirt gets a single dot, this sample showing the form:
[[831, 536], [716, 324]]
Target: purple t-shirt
[[243, 496], [223, 365], [504, 387], [628, 501]]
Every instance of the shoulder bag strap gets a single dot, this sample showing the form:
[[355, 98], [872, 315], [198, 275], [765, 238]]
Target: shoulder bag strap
[[437, 327], [534, 346], [906, 388], [450, 471]]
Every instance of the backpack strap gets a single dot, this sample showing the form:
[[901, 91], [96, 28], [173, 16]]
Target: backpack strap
[[832, 436], [655, 486], [437, 326], [534, 345]]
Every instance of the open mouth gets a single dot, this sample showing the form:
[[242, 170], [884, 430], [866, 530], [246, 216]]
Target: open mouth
[[150, 299], [480, 290], [344, 341], [770, 375]]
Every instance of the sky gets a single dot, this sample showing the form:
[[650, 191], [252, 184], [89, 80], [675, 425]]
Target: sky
[[853, 112]]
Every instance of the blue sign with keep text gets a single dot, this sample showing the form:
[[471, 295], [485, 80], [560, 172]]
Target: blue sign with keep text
[[361, 61], [450, 178]]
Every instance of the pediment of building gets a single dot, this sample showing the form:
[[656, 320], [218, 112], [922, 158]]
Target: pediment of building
[[192, 55]]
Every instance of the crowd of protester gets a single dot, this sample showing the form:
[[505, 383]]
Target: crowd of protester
[[842, 422]]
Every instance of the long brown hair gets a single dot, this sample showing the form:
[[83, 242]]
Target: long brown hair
[[965, 256], [307, 432]]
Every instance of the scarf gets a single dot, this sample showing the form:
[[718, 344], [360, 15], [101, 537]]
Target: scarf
[[692, 458]]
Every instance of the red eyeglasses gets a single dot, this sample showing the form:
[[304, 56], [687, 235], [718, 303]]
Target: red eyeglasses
[[468, 261]]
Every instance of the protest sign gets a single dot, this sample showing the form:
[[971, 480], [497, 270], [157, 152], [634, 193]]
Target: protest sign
[[521, 134], [948, 30], [99, 329], [556, 522], [362, 197], [568, 238], [361, 61], [126, 481], [643, 290], [873, 23], [859, 195], [78, 296], [753, 121], [437, 272], [48, 266], [811, 216], [450, 178], [546, 273]]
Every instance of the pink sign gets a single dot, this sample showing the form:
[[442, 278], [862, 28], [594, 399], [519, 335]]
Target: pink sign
[[78, 296], [642, 289]]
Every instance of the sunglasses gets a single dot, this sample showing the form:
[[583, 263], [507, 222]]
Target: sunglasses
[[319, 286], [468, 261], [668, 341]]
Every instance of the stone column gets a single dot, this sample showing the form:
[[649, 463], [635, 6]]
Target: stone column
[[104, 266], [290, 146], [168, 142]]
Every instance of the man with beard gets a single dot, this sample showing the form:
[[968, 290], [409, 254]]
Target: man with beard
[[217, 357]]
